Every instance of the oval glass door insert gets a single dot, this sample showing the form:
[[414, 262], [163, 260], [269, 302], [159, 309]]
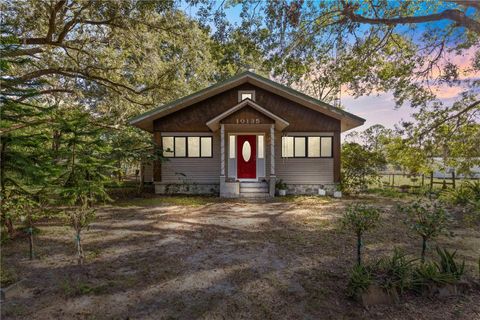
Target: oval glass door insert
[[246, 151]]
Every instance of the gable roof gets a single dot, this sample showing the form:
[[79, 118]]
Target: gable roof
[[214, 123], [348, 120]]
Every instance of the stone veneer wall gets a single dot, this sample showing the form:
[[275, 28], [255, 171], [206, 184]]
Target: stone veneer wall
[[214, 189], [310, 189], [190, 188]]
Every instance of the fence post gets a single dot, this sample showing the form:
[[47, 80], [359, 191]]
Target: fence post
[[393, 179], [431, 181], [453, 178]]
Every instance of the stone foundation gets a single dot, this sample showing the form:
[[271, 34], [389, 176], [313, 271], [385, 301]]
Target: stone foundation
[[310, 189], [187, 188], [231, 189]]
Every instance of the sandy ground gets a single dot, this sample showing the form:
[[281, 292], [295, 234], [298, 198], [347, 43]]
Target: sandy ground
[[233, 260]]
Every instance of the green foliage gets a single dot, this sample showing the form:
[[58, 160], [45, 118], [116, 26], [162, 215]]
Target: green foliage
[[427, 274], [402, 154], [360, 218], [446, 271], [448, 264], [394, 274], [360, 167], [428, 220], [359, 281], [467, 193], [280, 185]]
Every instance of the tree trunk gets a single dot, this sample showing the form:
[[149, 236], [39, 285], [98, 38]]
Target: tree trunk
[[79, 249], [359, 248], [30, 236], [140, 186], [424, 249]]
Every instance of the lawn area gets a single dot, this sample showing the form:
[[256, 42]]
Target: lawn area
[[205, 258]]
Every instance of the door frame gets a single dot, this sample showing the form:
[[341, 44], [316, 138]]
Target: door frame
[[256, 134]]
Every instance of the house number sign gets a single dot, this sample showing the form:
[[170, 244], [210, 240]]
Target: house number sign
[[247, 121]]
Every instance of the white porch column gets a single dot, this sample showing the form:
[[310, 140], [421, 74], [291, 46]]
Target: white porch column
[[273, 177], [272, 150], [222, 150]]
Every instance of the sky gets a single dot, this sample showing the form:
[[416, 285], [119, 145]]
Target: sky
[[376, 108]]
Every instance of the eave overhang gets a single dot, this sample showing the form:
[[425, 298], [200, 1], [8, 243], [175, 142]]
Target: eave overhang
[[348, 120]]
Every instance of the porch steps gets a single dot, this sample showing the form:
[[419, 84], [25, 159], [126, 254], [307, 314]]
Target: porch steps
[[254, 190]]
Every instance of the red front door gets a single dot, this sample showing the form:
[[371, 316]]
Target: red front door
[[246, 157]]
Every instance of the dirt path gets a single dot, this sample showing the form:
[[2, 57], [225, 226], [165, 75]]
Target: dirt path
[[234, 260]]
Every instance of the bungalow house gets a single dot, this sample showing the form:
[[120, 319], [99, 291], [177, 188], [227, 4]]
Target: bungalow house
[[239, 137]]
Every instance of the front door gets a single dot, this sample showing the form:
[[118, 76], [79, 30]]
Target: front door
[[247, 157]]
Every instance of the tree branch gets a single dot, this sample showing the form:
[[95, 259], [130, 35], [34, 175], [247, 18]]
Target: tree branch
[[451, 14]]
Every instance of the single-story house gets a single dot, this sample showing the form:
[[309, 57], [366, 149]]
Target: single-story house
[[239, 137]]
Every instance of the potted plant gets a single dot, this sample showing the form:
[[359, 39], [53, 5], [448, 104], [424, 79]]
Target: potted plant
[[337, 193], [281, 187], [322, 191]]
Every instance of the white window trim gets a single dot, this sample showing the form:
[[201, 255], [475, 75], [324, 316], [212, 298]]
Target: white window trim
[[240, 92]]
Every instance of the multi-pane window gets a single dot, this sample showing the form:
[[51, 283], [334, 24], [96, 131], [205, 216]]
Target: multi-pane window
[[311, 147], [190, 147]]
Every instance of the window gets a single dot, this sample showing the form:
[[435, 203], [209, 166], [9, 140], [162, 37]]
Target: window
[[299, 146], [167, 143], [311, 147], [206, 147], [180, 147], [260, 147], [247, 94], [287, 147], [326, 147], [231, 145], [191, 147]]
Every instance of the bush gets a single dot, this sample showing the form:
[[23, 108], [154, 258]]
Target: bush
[[446, 271], [397, 273], [360, 167], [359, 281], [394, 274], [280, 185], [467, 193]]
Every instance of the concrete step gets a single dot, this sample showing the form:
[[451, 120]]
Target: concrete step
[[254, 195], [253, 184], [253, 189]]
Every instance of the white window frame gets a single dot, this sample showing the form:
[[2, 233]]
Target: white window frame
[[240, 92]]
